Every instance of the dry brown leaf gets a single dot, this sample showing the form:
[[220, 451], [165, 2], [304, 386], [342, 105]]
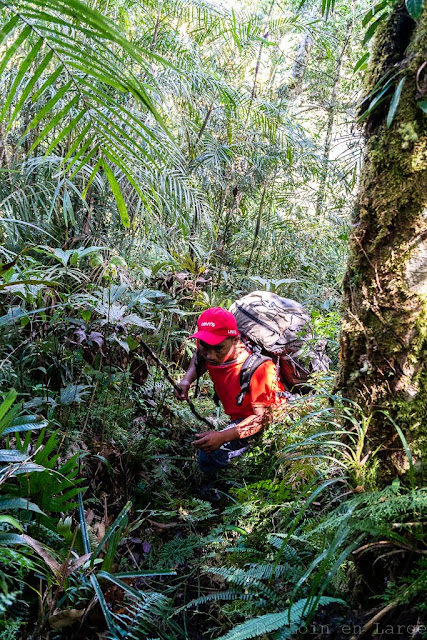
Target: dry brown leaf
[[43, 553], [78, 562], [99, 530], [65, 618]]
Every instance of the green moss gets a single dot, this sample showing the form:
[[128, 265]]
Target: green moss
[[409, 133], [410, 413], [410, 416]]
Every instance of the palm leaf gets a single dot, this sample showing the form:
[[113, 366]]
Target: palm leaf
[[71, 56]]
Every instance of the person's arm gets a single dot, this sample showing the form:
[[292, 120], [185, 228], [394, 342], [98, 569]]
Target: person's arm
[[190, 377], [210, 441]]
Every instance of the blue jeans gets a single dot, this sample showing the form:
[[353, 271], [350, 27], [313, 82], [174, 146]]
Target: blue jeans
[[211, 463]]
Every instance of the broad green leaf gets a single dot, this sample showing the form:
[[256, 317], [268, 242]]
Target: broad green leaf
[[19, 503], [415, 8], [65, 132], [10, 538], [132, 343], [422, 104], [61, 255], [49, 82], [115, 188], [10, 455], [18, 469], [11, 520], [395, 102], [63, 112], [25, 65], [361, 62], [15, 283], [7, 403], [29, 87], [374, 11], [374, 26], [8, 28], [91, 178], [73, 393], [26, 424], [77, 142], [49, 105], [11, 49], [88, 250]]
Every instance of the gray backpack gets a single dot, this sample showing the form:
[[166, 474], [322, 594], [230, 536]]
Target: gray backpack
[[280, 329]]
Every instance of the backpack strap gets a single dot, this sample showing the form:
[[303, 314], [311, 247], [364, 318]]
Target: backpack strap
[[250, 365]]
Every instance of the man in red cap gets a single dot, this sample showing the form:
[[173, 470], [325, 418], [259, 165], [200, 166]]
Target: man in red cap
[[221, 353]]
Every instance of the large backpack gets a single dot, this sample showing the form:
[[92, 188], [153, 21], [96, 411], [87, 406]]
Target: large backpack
[[278, 328]]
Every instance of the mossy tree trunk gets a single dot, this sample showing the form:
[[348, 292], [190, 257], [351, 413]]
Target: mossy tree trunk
[[384, 335]]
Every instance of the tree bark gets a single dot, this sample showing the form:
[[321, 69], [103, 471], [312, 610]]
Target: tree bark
[[332, 109], [290, 91], [384, 335]]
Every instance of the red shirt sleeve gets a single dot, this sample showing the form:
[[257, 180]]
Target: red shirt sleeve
[[264, 385]]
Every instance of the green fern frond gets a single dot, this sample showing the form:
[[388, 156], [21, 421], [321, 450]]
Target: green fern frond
[[271, 622], [268, 571], [289, 553], [229, 594], [178, 550], [244, 579]]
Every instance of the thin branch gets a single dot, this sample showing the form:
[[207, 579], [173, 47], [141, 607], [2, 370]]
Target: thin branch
[[169, 378]]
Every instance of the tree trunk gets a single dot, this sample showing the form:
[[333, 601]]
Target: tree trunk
[[332, 108], [384, 335], [290, 91], [264, 37]]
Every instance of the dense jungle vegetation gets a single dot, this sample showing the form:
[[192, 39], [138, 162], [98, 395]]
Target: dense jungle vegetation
[[160, 157]]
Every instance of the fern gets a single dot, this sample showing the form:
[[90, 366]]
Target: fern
[[245, 579], [7, 600], [250, 582], [268, 571], [228, 595], [178, 551], [289, 553], [374, 513], [146, 613], [270, 622], [416, 590]]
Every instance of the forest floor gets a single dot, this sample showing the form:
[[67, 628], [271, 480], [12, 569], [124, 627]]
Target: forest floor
[[244, 554]]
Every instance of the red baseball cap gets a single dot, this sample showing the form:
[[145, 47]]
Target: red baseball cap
[[215, 325]]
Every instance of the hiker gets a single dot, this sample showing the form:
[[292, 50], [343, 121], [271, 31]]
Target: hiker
[[221, 353]]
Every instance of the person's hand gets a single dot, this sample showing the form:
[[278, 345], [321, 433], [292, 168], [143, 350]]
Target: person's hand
[[183, 390], [209, 441]]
